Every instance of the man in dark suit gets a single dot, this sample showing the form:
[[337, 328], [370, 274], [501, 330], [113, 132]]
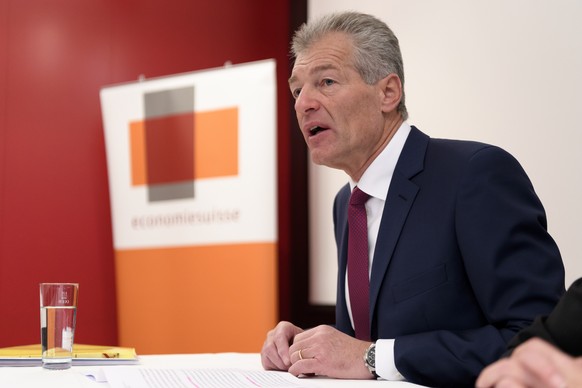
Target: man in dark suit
[[457, 254], [546, 354]]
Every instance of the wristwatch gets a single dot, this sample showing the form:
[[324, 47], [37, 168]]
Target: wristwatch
[[370, 359]]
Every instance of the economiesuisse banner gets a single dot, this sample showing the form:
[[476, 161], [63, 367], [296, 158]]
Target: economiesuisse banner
[[192, 174]]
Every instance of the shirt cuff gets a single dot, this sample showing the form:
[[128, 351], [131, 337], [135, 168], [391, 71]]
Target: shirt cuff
[[385, 365]]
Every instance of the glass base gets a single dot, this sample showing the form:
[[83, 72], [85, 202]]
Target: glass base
[[56, 364]]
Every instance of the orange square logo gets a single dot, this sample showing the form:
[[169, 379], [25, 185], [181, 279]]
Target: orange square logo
[[184, 147]]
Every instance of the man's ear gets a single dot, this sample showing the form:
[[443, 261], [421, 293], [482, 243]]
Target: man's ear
[[391, 88]]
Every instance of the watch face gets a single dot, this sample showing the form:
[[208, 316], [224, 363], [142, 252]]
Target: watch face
[[372, 357]]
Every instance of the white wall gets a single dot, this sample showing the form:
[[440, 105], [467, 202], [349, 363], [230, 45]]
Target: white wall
[[506, 72]]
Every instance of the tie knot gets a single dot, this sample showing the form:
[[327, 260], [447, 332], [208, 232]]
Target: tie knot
[[358, 197]]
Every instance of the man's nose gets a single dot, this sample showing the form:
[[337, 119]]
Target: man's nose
[[306, 101]]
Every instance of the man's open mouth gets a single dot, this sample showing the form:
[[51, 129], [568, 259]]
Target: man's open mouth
[[315, 130]]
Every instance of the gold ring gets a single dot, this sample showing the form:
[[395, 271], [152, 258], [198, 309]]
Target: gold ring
[[300, 355]]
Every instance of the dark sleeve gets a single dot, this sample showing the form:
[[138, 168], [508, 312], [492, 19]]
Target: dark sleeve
[[562, 328]]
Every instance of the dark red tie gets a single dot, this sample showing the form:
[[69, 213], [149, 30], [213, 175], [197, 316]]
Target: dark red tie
[[358, 263]]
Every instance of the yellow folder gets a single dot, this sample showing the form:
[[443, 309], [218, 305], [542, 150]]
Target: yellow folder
[[82, 354]]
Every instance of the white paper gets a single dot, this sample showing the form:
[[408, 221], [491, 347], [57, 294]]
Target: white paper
[[121, 377]]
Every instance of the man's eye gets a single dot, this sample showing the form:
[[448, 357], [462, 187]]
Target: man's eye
[[328, 82], [295, 93]]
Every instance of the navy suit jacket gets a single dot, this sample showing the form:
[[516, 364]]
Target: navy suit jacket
[[462, 261]]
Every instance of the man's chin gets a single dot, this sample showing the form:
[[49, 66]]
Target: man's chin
[[318, 159], [323, 161]]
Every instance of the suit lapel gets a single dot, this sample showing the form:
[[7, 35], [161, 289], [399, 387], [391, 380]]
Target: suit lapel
[[342, 320], [401, 195]]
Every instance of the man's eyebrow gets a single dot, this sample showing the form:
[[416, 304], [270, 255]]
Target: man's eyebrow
[[316, 69]]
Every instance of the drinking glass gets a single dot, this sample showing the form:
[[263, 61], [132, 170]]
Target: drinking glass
[[58, 313]]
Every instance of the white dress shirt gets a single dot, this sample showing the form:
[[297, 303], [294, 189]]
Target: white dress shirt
[[375, 182]]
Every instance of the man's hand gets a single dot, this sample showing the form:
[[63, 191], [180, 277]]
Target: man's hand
[[328, 352], [535, 363], [275, 352]]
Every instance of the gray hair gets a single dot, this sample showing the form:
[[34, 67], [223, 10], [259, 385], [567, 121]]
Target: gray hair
[[376, 49]]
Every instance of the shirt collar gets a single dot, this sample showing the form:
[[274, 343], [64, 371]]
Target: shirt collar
[[377, 177]]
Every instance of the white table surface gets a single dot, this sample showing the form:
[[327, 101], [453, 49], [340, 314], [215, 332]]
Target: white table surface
[[37, 377]]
